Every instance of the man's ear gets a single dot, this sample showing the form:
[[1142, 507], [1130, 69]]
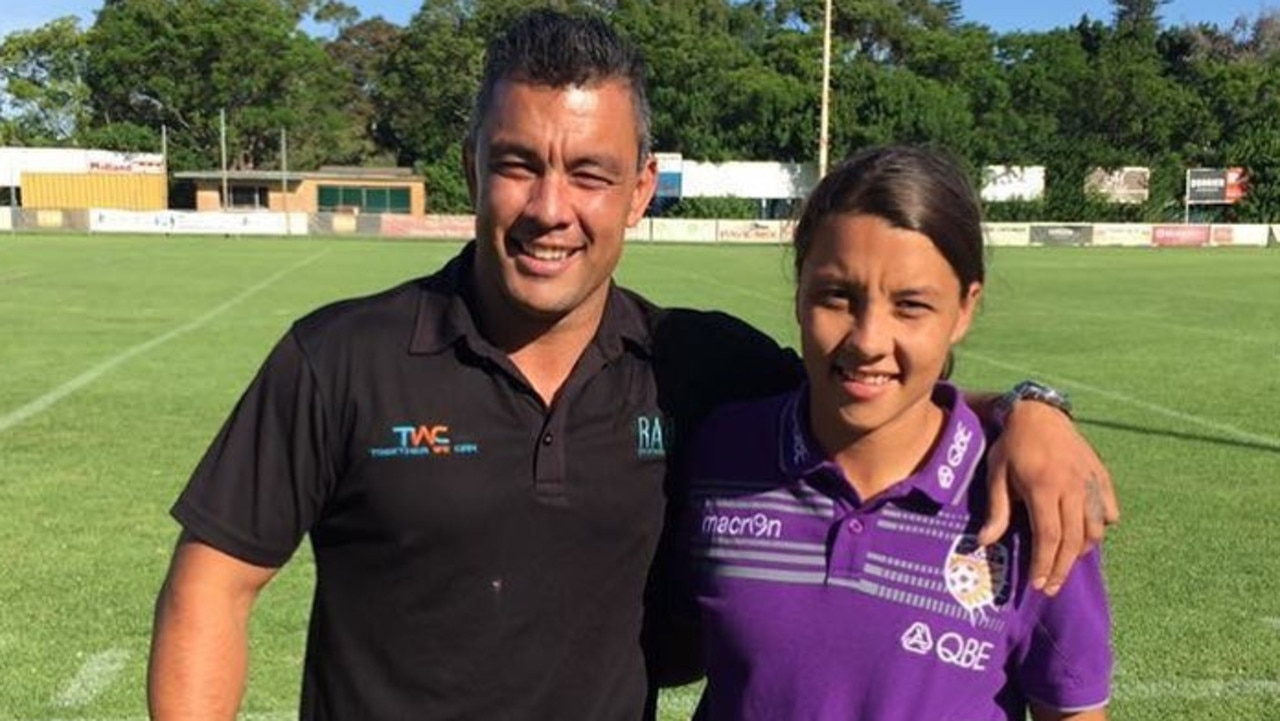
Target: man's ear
[[642, 194], [469, 169]]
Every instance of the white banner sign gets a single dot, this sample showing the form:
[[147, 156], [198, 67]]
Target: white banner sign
[[684, 230], [180, 222], [1135, 235], [1007, 234]]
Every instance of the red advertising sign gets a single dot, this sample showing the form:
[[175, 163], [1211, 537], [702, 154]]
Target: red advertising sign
[[1180, 236], [457, 227]]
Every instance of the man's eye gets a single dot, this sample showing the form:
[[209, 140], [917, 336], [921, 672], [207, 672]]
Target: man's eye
[[832, 298], [513, 168], [592, 180]]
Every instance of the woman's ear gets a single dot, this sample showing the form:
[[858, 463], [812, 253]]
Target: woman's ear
[[968, 306]]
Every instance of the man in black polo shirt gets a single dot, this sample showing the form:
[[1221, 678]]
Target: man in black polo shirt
[[480, 456]]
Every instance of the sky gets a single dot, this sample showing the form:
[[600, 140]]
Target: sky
[[1000, 15]]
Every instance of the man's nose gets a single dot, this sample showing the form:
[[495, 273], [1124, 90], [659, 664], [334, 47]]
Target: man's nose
[[549, 202]]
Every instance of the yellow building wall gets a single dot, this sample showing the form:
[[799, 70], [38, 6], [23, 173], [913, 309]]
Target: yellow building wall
[[303, 196], [208, 197], [123, 191]]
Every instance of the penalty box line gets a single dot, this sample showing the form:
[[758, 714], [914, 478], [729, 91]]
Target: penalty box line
[[48, 400], [1223, 428]]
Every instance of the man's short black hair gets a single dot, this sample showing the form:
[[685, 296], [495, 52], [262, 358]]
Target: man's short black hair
[[556, 49]]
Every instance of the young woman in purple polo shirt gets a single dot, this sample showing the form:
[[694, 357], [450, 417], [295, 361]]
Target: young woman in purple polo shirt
[[832, 530]]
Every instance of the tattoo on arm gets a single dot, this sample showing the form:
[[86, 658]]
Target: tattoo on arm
[[1093, 498]]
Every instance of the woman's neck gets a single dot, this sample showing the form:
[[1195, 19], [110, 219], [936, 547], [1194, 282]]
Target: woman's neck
[[874, 460]]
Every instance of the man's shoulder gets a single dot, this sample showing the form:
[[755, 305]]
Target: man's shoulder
[[363, 315], [705, 358], [394, 309]]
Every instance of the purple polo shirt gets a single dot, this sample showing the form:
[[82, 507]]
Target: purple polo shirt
[[815, 605]]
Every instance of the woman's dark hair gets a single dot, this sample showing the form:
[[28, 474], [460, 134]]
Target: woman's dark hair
[[913, 188]]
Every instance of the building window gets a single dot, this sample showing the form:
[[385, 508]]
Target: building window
[[10, 196], [248, 197], [353, 199]]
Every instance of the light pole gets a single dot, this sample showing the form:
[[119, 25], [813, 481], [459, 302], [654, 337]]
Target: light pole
[[825, 119]]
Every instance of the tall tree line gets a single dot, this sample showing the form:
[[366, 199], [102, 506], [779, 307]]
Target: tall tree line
[[730, 80]]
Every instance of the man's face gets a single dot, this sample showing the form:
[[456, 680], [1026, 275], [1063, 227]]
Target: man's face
[[556, 180]]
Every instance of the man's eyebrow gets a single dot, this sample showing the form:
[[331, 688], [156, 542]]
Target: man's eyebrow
[[510, 148], [607, 163]]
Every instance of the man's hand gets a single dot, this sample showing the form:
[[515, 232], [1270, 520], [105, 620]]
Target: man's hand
[[1042, 459]]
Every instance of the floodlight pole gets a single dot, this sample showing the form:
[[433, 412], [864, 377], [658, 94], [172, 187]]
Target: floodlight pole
[[222, 125], [825, 121], [1186, 197], [284, 180]]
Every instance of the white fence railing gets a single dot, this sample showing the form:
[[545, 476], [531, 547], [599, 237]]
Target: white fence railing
[[649, 230]]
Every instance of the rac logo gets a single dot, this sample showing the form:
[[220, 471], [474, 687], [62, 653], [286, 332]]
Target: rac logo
[[649, 437], [950, 648]]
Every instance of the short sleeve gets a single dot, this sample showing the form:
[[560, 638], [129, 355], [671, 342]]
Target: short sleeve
[[262, 483], [1068, 657]]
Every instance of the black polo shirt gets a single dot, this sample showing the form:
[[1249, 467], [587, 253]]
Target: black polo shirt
[[479, 555]]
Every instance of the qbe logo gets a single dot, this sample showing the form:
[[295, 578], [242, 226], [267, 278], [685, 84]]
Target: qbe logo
[[950, 648]]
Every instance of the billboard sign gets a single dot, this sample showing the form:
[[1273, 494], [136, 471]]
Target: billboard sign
[[1001, 183], [1123, 185], [1215, 186]]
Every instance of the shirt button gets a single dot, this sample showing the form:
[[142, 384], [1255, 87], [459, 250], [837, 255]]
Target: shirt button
[[855, 526], [547, 439]]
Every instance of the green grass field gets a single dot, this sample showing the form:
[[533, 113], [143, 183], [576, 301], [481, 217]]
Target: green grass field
[[120, 357]]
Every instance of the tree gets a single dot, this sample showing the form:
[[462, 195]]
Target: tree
[[180, 63], [44, 99], [362, 49]]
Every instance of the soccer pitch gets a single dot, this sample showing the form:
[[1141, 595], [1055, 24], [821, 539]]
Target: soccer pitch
[[122, 355]]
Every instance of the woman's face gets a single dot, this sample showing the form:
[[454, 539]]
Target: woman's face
[[879, 309]]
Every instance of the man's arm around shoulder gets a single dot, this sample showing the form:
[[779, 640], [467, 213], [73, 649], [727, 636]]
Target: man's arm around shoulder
[[199, 643]]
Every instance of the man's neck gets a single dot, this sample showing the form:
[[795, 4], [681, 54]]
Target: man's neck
[[544, 350]]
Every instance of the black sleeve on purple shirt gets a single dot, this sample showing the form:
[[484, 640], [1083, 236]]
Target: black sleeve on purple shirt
[[701, 360], [262, 482]]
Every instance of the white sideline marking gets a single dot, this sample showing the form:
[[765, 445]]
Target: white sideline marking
[[44, 402], [1190, 689], [95, 676], [1227, 429]]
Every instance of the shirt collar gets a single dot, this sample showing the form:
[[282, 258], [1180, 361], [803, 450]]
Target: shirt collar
[[447, 299], [944, 477]]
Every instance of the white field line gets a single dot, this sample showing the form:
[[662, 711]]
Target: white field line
[[1224, 428], [1196, 689], [44, 402], [96, 675], [1148, 319]]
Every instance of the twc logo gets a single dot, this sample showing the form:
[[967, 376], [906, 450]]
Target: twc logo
[[423, 440], [649, 440]]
